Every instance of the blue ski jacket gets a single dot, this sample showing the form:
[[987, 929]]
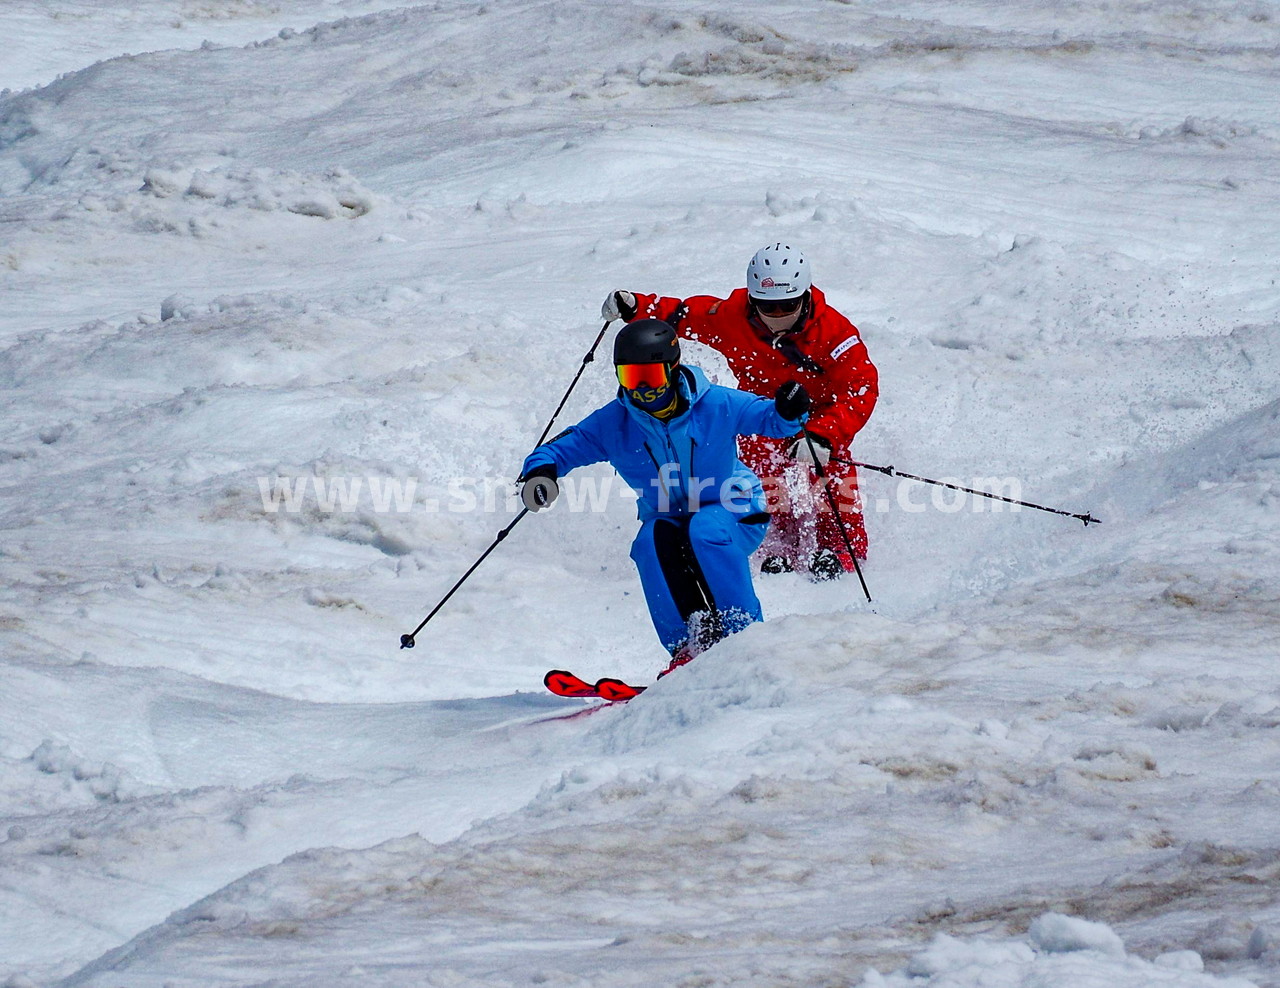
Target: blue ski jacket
[[678, 465]]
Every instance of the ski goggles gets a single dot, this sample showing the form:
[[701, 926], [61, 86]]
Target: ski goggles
[[635, 377], [777, 306]]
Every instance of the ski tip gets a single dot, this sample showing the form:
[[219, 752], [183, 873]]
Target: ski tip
[[563, 683], [617, 690]]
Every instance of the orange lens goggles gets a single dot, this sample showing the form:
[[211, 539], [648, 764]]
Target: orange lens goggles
[[633, 377]]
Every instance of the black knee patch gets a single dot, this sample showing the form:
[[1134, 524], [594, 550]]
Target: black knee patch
[[680, 568]]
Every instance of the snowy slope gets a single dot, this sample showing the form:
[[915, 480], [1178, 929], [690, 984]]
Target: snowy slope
[[46, 39], [372, 251]]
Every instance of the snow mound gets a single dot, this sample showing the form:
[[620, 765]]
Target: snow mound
[[1239, 456], [1219, 133], [334, 194], [1064, 952], [219, 201], [104, 781], [1057, 934]]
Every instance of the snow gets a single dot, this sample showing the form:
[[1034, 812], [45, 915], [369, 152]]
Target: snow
[[351, 254]]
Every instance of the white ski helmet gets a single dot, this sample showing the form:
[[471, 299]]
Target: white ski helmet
[[778, 271]]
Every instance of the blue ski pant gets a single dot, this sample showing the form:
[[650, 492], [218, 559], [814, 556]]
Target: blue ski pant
[[697, 566]]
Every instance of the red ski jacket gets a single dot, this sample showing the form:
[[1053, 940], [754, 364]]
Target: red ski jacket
[[826, 354]]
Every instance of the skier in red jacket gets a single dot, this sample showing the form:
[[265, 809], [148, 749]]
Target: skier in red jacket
[[778, 329]]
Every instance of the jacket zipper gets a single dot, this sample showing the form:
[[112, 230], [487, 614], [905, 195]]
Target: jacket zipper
[[691, 480], [666, 494]]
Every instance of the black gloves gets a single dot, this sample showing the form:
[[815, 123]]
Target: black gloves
[[540, 488], [792, 401]]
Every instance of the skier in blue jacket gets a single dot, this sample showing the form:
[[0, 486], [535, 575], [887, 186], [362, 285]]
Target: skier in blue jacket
[[672, 436]]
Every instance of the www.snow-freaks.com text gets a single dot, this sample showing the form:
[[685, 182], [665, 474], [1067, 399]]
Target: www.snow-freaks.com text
[[588, 493]]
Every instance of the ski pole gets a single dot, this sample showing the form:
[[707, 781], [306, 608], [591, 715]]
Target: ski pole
[[591, 355], [1088, 519], [835, 509], [407, 641]]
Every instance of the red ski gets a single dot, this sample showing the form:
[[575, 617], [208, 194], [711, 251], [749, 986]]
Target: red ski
[[563, 683]]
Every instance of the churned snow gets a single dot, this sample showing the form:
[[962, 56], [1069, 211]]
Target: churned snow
[[290, 289]]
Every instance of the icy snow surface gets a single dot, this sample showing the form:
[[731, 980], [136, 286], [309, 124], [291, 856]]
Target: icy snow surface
[[289, 246]]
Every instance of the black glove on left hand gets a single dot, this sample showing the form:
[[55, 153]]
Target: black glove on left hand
[[792, 401], [540, 488]]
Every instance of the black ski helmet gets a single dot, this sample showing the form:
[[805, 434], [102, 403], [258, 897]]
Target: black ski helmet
[[646, 341]]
